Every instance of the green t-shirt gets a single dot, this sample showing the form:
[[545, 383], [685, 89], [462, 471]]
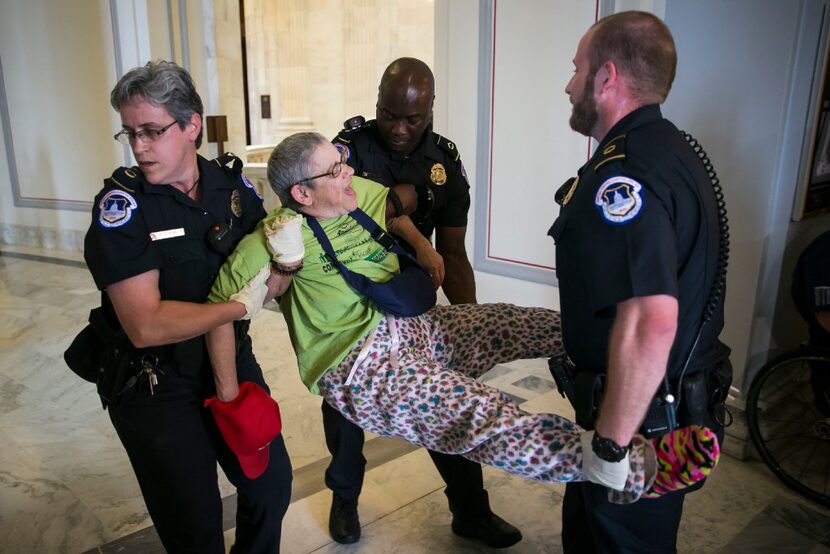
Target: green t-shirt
[[325, 316]]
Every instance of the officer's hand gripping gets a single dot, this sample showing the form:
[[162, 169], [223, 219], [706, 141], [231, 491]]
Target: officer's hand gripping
[[253, 294]]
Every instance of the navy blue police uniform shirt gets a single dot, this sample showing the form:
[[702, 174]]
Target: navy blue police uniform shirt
[[434, 167], [138, 227], [639, 220], [811, 286]]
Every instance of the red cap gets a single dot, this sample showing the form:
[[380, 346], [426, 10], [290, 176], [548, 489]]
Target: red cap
[[248, 424]]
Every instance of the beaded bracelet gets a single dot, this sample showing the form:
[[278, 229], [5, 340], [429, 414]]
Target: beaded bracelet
[[286, 272]]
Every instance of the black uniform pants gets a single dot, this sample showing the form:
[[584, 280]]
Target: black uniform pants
[[344, 476], [174, 445], [592, 524]]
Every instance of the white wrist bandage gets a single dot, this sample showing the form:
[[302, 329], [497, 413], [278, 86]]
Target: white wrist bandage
[[284, 239], [610, 474]]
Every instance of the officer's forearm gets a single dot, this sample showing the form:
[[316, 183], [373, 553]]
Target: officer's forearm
[[175, 321], [427, 257], [149, 321], [404, 228], [640, 342], [221, 346], [459, 283]]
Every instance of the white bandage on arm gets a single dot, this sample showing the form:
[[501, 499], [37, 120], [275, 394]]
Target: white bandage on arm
[[284, 239], [610, 474]]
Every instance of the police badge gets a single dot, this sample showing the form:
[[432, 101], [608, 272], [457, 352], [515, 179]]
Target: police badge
[[236, 204], [437, 174]]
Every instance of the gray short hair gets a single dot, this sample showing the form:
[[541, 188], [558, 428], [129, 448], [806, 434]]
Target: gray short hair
[[163, 84], [289, 164]]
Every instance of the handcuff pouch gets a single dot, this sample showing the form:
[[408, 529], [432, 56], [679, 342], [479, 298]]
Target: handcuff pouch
[[82, 355], [706, 389]]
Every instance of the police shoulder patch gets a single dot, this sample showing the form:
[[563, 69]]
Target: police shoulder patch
[[619, 199], [463, 172], [116, 209], [250, 185], [343, 149]]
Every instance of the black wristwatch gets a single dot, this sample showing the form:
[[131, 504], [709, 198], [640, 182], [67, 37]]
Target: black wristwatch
[[608, 450]]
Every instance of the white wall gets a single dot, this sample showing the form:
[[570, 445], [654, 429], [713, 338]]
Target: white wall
[[456, 116], [59, 62], [533, 150], [57, 146]]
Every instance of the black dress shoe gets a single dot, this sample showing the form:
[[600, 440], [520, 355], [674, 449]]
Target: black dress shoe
[[488, 528], [344, 524]]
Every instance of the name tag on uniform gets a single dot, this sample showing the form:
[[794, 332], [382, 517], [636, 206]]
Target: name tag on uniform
[[167, 234]]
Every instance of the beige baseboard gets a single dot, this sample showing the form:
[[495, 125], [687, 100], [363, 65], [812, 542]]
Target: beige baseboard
[[42, 237]]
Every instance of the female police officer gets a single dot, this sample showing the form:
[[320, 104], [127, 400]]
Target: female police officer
[[159, 233]]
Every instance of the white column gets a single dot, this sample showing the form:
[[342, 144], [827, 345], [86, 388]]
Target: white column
[[132, 34], [292, 72], [361, 47]]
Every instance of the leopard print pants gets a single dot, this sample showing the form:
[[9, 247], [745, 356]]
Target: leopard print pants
[[415, 378]]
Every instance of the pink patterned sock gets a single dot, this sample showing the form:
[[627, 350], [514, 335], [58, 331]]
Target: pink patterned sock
[[684, 457]]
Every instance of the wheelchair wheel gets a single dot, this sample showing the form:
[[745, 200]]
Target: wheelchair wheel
[[789, 420]]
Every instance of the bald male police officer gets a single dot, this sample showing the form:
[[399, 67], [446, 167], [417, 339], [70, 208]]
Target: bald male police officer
[[424, 169]]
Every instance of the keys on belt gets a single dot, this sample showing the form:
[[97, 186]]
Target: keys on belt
[[149, 370], [149, 363]]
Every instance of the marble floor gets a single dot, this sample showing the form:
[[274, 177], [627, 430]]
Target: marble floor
[[66, 484]]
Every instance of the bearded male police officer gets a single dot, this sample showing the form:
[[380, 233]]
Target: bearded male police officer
[[637, 247], [400, 150]]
